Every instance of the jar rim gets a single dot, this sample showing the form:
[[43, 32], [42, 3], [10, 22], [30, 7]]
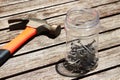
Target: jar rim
[[91, 24]]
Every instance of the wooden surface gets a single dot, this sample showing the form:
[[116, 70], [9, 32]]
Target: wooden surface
[[37, 59]]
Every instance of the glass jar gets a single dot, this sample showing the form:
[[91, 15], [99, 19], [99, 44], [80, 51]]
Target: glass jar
[[82, 31]]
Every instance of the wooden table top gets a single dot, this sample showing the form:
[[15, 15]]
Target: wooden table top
[[37, 59]]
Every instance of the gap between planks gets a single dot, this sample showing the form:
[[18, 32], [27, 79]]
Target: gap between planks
[[102, 9], [30, 6], [113, 71], [106, 60], [34, 59], [81, 3], [4, 3], [40, 44]]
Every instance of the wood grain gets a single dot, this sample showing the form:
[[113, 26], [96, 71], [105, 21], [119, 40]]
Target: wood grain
[[107, 59], [40, 42], [38, 4], [57, 20], [27, 6], [29, 61], [33, 59], [62, 9], [11, 2], [112, 74], [44, 13], [59, 10]]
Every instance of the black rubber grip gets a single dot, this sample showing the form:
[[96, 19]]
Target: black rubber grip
[[4, 56]]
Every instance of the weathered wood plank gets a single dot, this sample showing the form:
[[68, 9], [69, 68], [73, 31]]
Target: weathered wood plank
[[107, 59], [39, 57], [60, 20], [40, 42], [27, 60], [11, 2], [37, 4], [58, 10], [113, 74], [28, 6], [62, 9]]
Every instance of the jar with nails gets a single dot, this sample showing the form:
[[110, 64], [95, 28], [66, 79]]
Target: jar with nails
[[82, 32]]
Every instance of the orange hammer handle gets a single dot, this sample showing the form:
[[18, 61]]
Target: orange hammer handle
[[20, 39], [7, 50]]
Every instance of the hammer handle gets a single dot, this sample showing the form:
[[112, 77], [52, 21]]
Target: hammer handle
[[7, 50]]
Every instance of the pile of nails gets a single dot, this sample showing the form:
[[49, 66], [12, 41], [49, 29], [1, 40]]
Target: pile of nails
[[81, 58]]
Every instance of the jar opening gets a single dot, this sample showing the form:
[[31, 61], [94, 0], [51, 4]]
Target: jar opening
[[82, 18]]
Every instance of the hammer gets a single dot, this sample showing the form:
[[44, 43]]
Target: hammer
[[34, 28]]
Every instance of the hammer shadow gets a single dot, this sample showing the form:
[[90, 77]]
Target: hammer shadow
[[16, 24]]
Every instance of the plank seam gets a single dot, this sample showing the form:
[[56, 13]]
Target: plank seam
[[30, 70], [105, 4], [45, 66], [97, 72], [13, 3], [52, 6], [104, 49], [38, 9], [110, 30]]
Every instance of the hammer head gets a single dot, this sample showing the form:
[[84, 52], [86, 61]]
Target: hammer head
[[42, 27]]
